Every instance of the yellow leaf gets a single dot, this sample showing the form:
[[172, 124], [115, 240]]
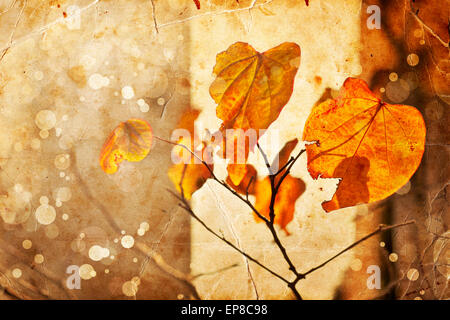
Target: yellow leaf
[[250, 90], [284, 207], [130, 140], [192, 175], [241, 187]]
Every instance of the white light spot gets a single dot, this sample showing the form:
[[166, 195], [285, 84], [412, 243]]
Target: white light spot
[[45, 119], [39, 258], [97, 253], [45, 214], [127, 92], [97, 81], [161, 101], [43, 200], [145, 226], [143, 106], [127, 241], [16, 273], [38, 75]]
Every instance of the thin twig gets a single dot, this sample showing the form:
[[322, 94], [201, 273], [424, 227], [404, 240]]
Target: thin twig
[[269, 222], [426, 27], [380, 228], [274, 186], [214, 177], [168, 269], [185, 205], [154, 16], [234, 265]]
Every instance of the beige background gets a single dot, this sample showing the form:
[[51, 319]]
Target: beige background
[[74, 58]]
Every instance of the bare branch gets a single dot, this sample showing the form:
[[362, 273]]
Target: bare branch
[[185, 205], [380, 228], [426, 27], [165, 267], [154, 16]]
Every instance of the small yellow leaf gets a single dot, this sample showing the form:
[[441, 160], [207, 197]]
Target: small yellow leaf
[[130, 140]]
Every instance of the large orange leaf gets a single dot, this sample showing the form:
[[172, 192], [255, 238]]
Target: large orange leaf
[[130, 140], [251, 89], [374, 147]]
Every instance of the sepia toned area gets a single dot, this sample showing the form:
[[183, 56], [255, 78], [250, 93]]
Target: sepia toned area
[[71, 71], [327, 58]]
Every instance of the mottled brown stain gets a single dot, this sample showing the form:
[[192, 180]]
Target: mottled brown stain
[[78, 75]]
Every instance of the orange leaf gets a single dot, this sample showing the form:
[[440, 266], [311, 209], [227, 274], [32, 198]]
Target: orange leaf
[[251, 88], [290, 190], [241, 187], [192, 175], [197, 4], [236, 172], [374, 147], [283, 156], [130, 140], [187, 119], [187, 122]]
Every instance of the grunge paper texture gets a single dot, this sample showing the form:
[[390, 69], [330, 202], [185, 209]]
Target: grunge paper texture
[[72, 70]]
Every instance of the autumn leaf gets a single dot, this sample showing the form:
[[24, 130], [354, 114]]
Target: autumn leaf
[[187, 122], [247, 184], [192, 176], [290, 190], [251, 89], [238, 144], [188, 176], [283, 157], [372, 146], [130, 140]]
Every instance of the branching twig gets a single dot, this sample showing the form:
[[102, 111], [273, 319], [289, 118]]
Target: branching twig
[[168, 269], [214, 177], [185, 205], [275, 186], [380, 228], [269, 222]]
